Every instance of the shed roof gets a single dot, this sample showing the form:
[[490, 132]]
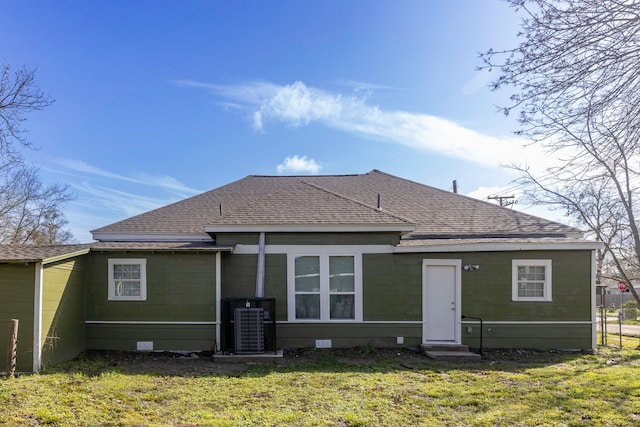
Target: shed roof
[[40, 253], [52, 253]]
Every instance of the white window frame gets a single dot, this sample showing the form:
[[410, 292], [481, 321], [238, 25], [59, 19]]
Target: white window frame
[[325, 292], [547, 288], [142, 262]]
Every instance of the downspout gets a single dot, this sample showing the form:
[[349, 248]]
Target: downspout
[[37, 318], [260, 272], [218, 298]]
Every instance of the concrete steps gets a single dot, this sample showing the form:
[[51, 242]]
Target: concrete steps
[[449, 352]]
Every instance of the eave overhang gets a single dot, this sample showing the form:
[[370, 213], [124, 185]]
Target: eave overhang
[[149, 237], [45, 260], [141, 246], [495, 246]]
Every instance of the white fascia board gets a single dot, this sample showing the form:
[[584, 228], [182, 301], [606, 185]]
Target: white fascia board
[[309, 228], [66, 256], [150, 237], [501, 247]]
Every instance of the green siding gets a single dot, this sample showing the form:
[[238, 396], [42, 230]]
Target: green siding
[[387, 238], [548, 336], [164, 337], [487, 292], [392, 290], [63, 332], [292, 335], [180, 287], [17, 283], [237, 238], [239, 279], [332, 238], [392, 287]]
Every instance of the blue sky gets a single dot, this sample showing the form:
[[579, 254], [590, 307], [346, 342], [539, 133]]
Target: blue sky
[[160, 100]]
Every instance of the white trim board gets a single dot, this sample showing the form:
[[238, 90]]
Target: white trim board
[[530, 322], [143, 322], [389, 249], [499, 247], [351, 322]]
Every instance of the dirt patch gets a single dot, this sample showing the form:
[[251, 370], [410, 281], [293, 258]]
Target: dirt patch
[[205, 363]]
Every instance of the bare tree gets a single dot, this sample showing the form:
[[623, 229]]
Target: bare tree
[[19, 96], [29, 211], [577, 92]]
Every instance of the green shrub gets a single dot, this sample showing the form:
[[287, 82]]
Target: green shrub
[[630, 309]]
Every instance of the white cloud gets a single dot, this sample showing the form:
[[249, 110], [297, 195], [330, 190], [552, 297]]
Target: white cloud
[[124, 203], [253, 93], [104, 196], [164, 182], [298, 105], [299, 164]]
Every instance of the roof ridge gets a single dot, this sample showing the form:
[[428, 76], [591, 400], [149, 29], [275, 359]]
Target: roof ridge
[[304, 176], [342, 196]]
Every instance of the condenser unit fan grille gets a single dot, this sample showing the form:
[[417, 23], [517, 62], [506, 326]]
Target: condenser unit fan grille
[[249, 330]]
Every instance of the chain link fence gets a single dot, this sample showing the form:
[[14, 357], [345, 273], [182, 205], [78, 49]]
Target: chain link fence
[[617, 317]]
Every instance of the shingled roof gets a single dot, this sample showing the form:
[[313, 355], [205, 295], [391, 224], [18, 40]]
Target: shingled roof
[[40, 253], [417, 210]]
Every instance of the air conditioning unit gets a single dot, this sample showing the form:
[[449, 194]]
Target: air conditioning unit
[[249, 330]]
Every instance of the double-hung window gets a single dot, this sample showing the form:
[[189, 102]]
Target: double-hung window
[[127, 279], [325, 287], [307, 287], [531, 279]]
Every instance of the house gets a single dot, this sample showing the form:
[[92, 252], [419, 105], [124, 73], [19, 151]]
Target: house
[[344, 261]]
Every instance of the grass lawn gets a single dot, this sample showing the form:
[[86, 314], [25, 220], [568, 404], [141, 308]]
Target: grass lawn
[[333, 388]]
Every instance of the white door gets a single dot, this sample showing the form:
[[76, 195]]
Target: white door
[[441, 300]]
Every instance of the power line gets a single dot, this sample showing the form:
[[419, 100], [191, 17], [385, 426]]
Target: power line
[[521, 185], [503, 200]]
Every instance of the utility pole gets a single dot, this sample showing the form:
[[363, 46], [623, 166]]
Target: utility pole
[[503, 200]]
